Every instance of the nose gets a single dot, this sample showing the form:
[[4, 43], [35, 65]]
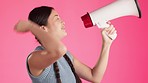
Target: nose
[[63, 22]]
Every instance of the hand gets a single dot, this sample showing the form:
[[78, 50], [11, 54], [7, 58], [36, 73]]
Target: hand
[[107, 32], [22, 26]]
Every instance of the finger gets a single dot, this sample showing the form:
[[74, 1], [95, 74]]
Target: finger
[[115, 32], [112, 30], [109, 22], [109, 28]]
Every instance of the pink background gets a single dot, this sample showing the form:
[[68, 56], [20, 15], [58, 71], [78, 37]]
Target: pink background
[[128, 62]]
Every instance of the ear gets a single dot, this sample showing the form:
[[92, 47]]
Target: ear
[[44, 28]]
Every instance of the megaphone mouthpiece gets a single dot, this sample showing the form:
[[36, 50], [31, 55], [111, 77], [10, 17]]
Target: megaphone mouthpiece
[[87, 20]]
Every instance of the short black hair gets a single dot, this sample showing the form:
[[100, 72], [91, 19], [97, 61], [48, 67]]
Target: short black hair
[[40, 15]]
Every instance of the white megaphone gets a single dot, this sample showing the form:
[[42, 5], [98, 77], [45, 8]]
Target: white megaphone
[[117, 9]]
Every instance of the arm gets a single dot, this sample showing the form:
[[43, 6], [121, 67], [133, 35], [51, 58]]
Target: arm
[[46, 37], [95, 74], [54, 48]]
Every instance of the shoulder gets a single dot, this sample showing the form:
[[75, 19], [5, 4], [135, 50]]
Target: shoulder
[[37, 51]]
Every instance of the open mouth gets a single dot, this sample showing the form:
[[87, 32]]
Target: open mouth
[[63, 28]]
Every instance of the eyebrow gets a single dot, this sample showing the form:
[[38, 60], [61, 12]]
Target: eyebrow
[[56, 15]]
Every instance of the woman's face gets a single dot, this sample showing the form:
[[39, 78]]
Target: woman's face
[[56, 24]]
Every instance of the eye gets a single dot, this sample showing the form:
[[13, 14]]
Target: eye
[[58, 18]]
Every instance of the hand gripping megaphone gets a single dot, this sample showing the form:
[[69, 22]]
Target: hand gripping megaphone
[[117, 9]]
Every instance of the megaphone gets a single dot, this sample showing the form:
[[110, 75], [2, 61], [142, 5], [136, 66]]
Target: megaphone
[[117, 9], [112, 11]]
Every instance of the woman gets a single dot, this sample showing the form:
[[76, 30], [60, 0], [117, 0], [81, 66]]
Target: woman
[[52, 62]]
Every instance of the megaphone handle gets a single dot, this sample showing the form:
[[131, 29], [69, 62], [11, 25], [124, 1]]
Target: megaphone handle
[[113, 36], [104, 25]]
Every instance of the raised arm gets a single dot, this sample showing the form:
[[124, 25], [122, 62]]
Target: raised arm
[[95, 74], [54, 48]]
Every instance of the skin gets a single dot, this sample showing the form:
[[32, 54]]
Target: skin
[[50, 37]]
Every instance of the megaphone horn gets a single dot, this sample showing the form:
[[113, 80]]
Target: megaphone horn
[[117, 9]]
